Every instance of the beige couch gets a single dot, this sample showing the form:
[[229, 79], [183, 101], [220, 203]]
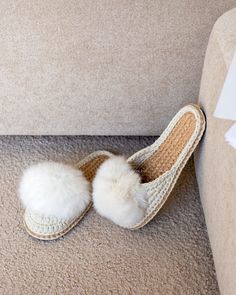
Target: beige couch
[[100, 67], [216, 160], [125, 67]]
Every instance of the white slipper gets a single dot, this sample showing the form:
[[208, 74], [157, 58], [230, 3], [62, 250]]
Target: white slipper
[[57, 196], [131, 192]]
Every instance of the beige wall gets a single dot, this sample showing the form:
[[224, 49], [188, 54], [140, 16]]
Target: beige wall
[[100, 67]]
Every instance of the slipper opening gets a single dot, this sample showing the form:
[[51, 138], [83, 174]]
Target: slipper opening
[[90, 167], [163, 159]]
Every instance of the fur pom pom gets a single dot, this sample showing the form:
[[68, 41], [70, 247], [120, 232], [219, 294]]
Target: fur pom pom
[[118, 194], [54, 190]]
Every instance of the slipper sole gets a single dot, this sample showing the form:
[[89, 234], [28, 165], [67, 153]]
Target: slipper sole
[[58, 234]]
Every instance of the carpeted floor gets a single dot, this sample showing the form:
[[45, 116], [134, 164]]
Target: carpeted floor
[[169, 256]]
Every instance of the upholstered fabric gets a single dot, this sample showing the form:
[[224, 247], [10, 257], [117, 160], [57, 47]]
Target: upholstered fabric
[[100, 67], [216, 160]]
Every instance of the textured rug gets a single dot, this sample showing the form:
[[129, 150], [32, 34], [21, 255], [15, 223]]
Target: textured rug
[[171, 255]]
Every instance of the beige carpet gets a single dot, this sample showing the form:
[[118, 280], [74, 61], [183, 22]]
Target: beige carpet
[[171, 255]]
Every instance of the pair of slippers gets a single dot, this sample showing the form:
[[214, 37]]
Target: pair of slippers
[[129, 192]]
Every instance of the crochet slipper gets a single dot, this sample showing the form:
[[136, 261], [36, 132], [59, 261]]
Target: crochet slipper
[[57, 196], [131, 192]]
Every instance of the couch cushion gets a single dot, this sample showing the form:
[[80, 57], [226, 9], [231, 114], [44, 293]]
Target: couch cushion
[[216, 160], [100, 67]]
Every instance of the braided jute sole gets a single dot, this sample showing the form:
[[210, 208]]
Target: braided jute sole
[[88, 166], [161, 164]]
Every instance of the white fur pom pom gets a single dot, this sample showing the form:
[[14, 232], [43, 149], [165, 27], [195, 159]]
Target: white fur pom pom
[[118, 194], [54, 190]]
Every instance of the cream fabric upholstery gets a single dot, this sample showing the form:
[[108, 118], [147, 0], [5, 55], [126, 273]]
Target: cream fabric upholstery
[[100, 67], [216, 160]]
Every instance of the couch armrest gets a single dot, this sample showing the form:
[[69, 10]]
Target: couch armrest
[[215, 159]]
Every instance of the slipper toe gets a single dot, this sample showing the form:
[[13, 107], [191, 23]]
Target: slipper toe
[[118, 194], [55, 197]]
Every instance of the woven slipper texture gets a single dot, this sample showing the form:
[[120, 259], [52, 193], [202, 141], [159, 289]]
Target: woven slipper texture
[[161, 163]]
